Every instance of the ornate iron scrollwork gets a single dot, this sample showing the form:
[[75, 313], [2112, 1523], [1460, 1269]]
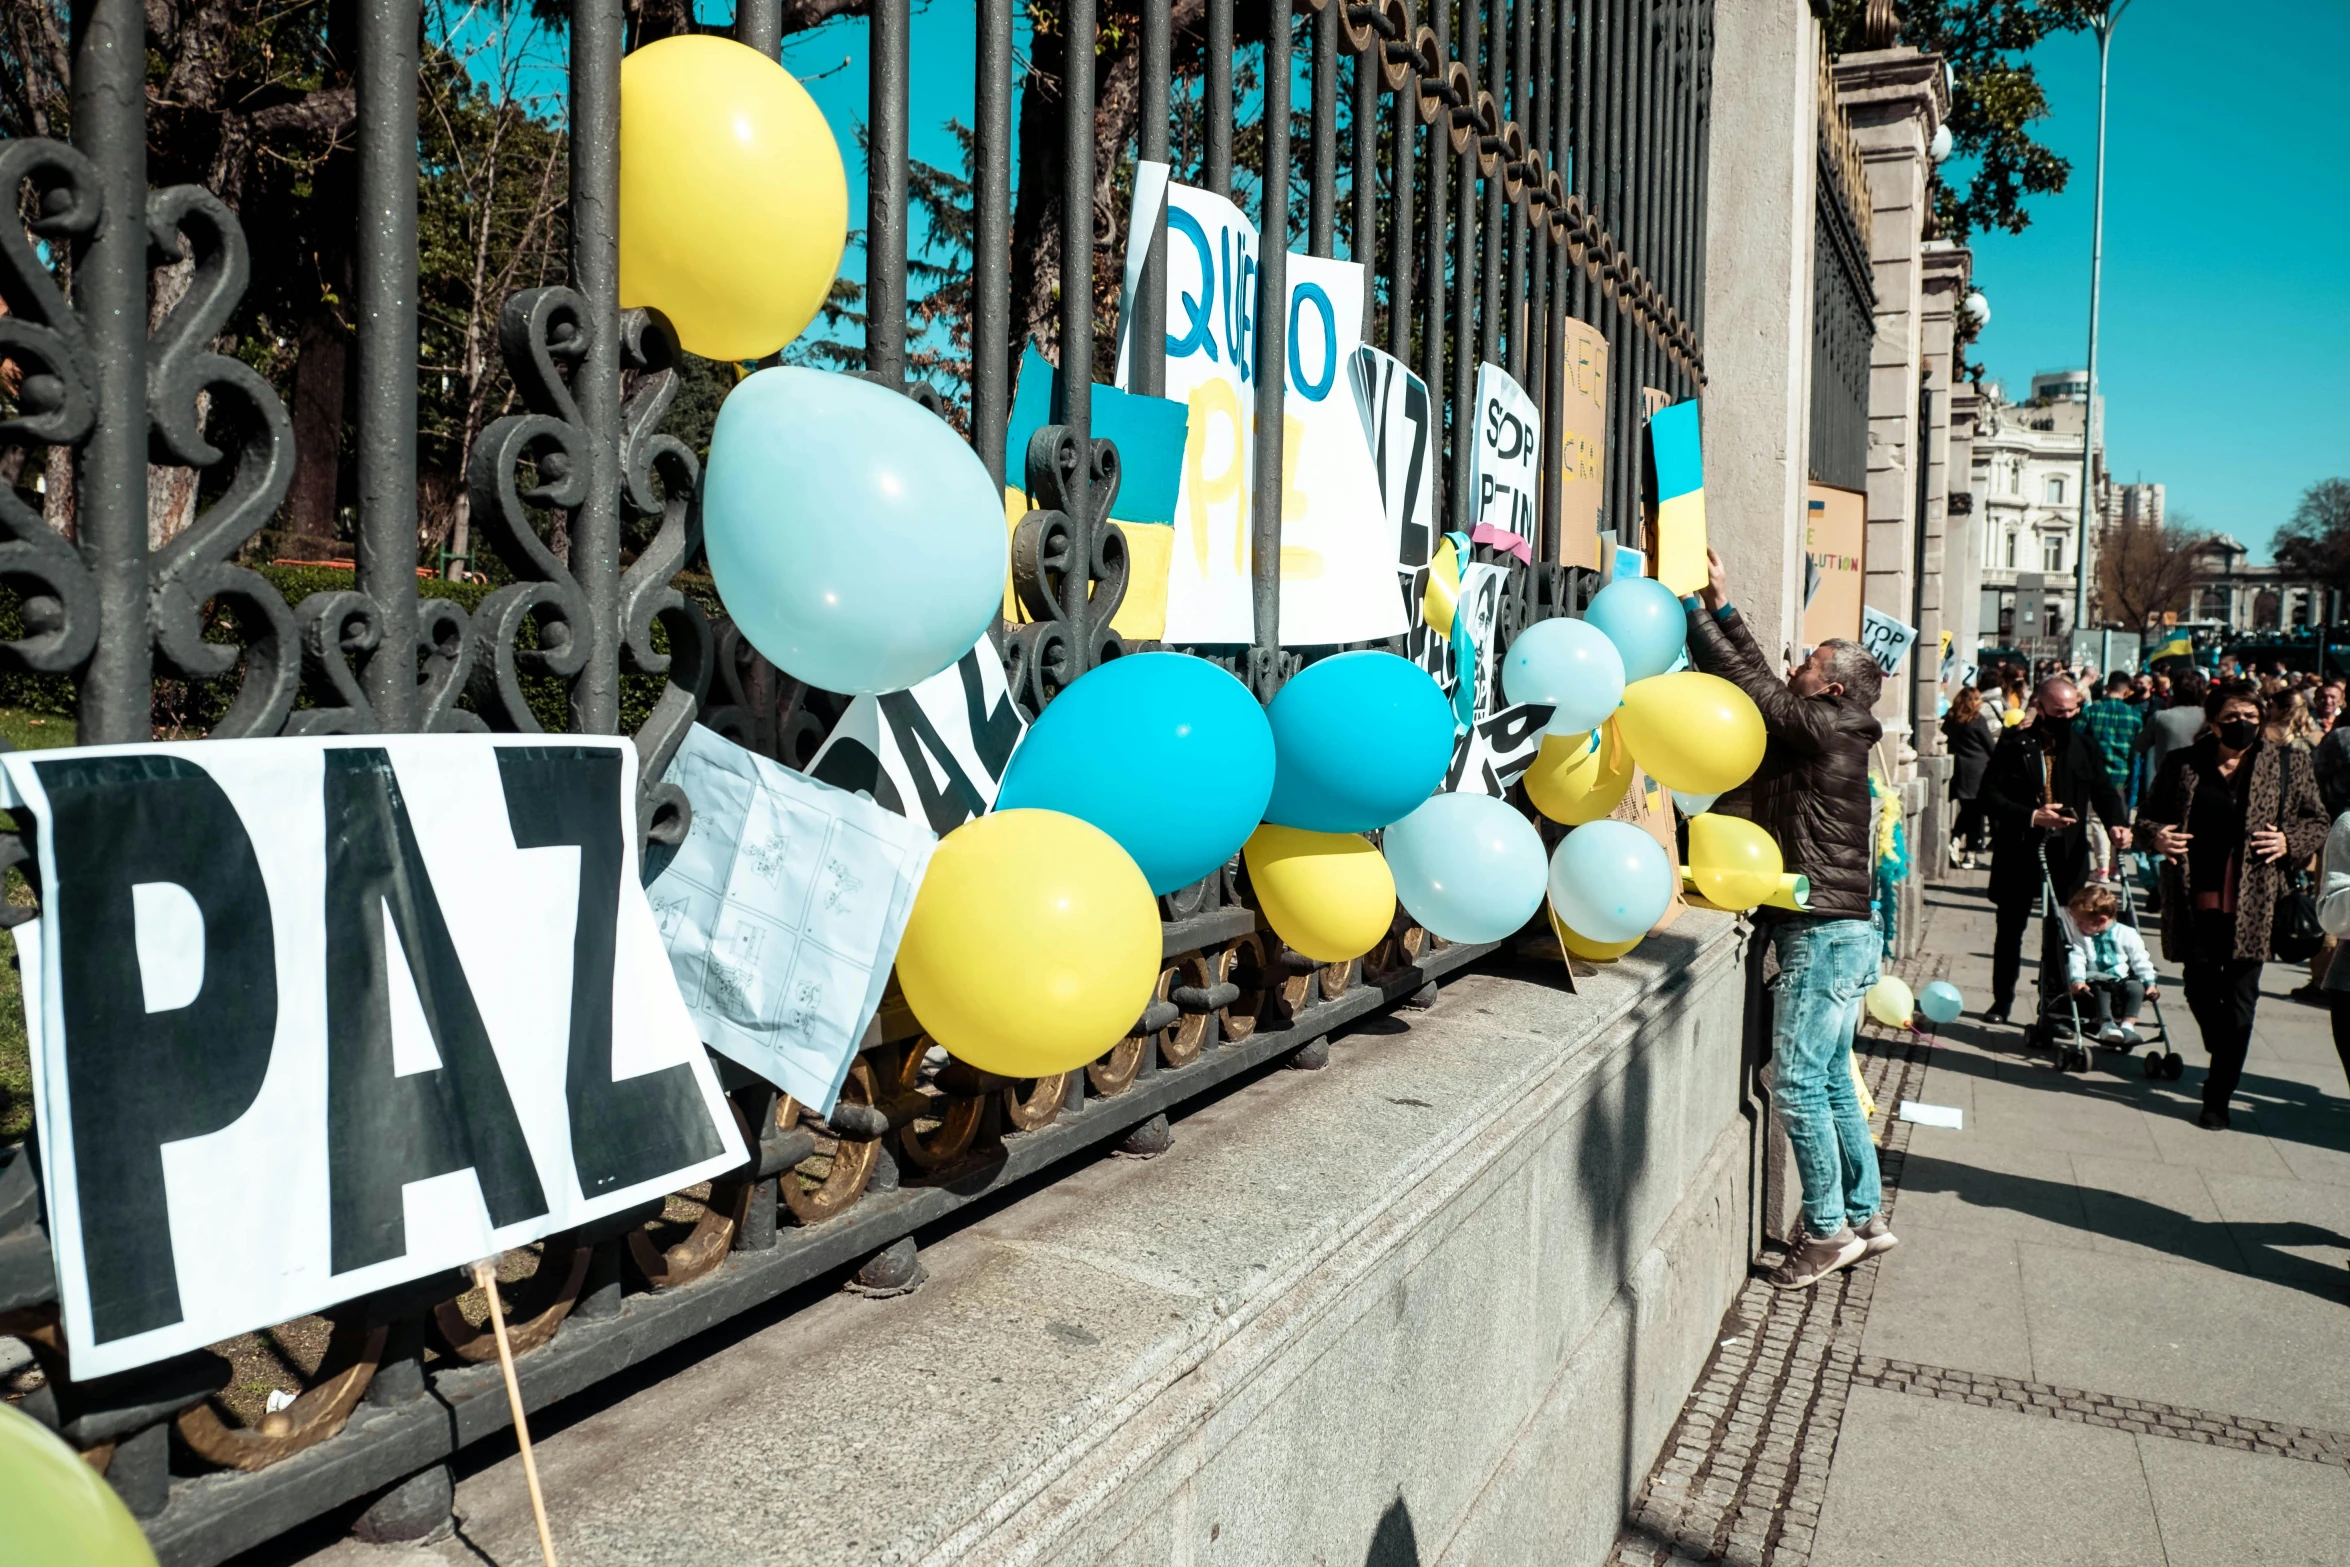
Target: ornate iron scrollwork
[[542, 332], [193, 570], [1068, 570], [660, 478], [54, 401]]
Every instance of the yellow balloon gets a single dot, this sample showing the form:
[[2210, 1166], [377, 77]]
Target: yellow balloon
[[733, 202], [1734, 863], [55, 1511], [1584, 947], [1572, 781], [1693, 732], [1329, 895], [1033, 946], [1890, 1002]]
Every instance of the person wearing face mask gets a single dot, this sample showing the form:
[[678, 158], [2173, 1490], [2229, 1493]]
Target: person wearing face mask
[[2044, 781], [2231, 815]]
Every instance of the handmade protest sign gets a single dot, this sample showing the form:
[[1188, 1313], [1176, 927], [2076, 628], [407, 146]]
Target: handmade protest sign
[[1581, 443], [1508, 457], [1494, 753], [1677, 472], [1399, 425], [1338, 555], [935, 753], [1887, 640], [315, 1017], [781, 912]]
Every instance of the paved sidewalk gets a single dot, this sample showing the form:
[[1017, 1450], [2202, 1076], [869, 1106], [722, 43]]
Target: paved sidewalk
[[2108, 1336]]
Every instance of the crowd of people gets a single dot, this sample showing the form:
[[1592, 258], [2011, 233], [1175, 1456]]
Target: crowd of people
[[2218, 791]]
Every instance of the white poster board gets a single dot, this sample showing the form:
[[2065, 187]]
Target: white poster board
[[1399, 423], [1508, 459], [782, 912], [1887, 640], [1338, 554], [1494, 753], [935, 753], [315, 1017]]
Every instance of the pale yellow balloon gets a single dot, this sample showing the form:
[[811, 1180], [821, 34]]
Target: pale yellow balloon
[[1571, 781], [1734, 862], [1692, 731], [1890, 1002], [1329, 895], [1584, 947], [734, 206], [1033, 945]]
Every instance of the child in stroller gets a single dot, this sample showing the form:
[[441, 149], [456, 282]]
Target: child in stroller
[[2106, 962]]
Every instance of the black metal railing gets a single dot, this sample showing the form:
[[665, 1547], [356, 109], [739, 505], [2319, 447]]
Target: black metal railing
[[1844, 301], [1508, 167]]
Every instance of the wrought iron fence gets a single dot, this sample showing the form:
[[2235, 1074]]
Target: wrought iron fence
[[1511, 166], [1844, 299]]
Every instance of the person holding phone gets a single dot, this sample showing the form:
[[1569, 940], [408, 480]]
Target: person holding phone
[[2043, 782]]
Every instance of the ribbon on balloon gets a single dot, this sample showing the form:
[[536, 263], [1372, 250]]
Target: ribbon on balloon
[[1440, 607]]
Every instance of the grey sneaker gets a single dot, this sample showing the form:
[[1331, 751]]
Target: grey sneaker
[[1813, 1258], [1877, 1237]]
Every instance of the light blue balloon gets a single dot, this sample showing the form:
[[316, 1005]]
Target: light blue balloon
[[1645, 622], [1941, 1001], [1359, 740], [1166, 753], [854, 537], [1467, 866], [1694, 804], [1610, 881], [1571, 665]]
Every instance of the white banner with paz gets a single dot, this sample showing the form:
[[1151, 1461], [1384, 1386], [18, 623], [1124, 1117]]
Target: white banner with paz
[[314, 1017], [1888, 641], [935, 754]]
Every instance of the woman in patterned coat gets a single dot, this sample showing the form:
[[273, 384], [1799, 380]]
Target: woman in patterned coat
[[2234, 816]]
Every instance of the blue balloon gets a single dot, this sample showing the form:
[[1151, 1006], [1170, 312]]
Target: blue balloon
[[1610, 881], [1359, 739], [1467, 866], [1571, 665], [1941, 1001], [1645, 622], [1166, 753], [854, 537]]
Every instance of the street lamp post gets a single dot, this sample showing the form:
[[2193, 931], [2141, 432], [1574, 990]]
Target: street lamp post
[[2103, 27]]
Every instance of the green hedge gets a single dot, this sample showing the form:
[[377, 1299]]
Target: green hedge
[[191, 708]]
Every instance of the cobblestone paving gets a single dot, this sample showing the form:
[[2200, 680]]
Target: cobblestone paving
[[1744, 1473]]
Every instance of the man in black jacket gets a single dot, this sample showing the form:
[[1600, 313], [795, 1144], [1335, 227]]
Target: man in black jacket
[[1811, 794], [2042, 783]]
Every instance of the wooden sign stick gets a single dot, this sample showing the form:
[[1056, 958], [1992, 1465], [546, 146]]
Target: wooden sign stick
[[486, 1275]]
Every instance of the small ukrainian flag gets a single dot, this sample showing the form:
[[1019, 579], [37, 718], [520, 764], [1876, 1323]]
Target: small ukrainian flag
[[1680, 497]]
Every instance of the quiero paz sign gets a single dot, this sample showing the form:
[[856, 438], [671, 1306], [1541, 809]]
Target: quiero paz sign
[[314, 1017]]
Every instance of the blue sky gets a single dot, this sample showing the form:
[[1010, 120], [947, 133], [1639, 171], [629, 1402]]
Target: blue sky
[[2224, 345]]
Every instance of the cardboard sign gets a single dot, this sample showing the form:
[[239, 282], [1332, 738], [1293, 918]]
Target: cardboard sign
[[782, 912], [1887, 640], [1835, 538], [1338, 553], [936, 753], [1494, 753], [1507, 461], [1399, 423], [315, 1017], [1580, 448]]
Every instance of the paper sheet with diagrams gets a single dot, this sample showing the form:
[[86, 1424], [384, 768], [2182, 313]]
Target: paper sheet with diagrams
[[782, 912]]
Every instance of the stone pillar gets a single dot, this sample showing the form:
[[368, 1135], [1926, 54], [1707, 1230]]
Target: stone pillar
[[1896, 99], [1758, 286], [1944, 269], [1962, 546]]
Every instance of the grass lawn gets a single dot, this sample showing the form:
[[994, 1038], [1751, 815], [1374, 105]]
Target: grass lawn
[[30, 731]]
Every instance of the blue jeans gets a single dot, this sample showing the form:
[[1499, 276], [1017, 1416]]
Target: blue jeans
[[1825, 967]]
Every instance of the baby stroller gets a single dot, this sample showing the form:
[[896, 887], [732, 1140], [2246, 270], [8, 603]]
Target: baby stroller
[[2057, 1027]]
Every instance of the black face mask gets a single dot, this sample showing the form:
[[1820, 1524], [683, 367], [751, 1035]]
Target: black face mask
[[2056, 730], [2237, 734]]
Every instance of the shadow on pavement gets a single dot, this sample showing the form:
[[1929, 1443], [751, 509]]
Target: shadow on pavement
[[2121, 1217]]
